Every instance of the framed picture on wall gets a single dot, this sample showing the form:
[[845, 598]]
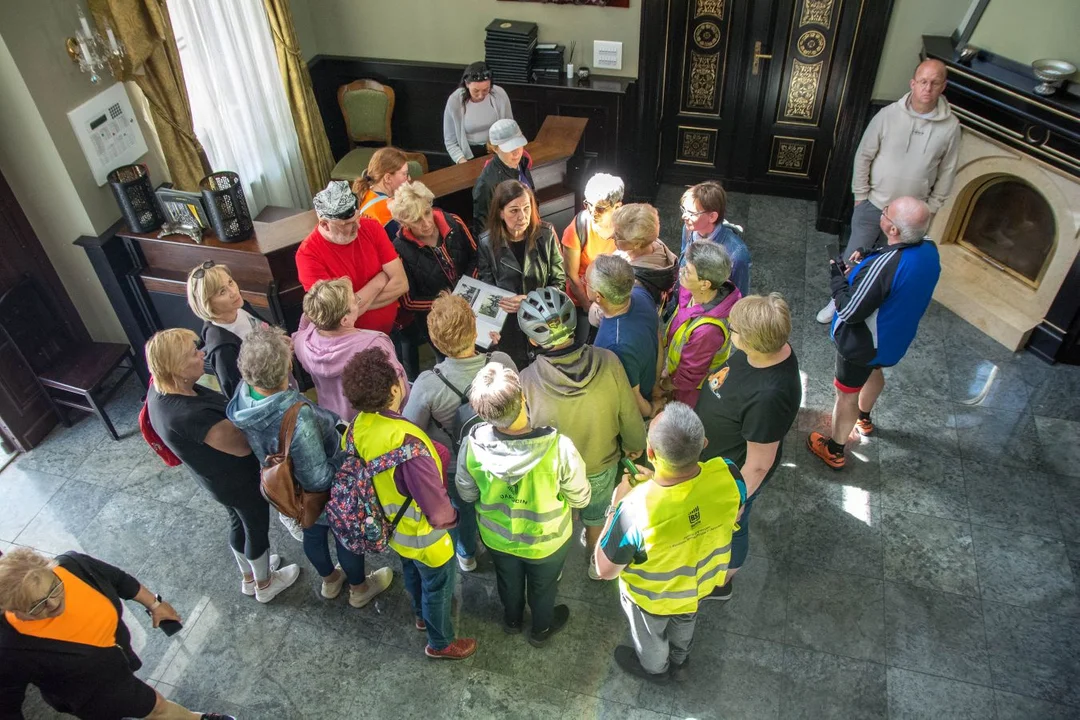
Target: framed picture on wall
[[600, 3]]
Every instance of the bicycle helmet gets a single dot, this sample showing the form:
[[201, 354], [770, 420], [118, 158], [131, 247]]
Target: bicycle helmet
[[547, 317]]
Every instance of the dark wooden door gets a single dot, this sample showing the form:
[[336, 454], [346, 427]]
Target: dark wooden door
[[753, 89], [25, 415]]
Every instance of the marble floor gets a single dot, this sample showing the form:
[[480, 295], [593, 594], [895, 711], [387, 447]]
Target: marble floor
[[937, 576]]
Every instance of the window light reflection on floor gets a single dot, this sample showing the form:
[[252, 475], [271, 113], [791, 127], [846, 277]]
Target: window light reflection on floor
[[857, 503]]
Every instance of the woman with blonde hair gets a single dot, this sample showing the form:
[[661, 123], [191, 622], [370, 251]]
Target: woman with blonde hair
[[214, 297], [518, 253], [327, 340], [437, 395], [191, 421], [436, 249], [61, 627], [637, 237], [387, 170]]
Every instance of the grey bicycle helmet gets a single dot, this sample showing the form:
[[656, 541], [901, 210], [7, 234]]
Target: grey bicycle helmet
[[547, 317]]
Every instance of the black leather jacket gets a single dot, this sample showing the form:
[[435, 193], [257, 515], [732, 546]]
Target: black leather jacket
[[543, 265]]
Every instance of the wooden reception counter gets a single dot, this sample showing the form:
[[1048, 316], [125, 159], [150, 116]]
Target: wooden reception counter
[[146, 276]]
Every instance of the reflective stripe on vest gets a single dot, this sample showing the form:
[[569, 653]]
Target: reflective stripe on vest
[[415, 538], [682, 335], [529, 518], [686, 532]]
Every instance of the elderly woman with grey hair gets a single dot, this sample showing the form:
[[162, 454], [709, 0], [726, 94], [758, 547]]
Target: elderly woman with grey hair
[[697, 340], [257, 408]]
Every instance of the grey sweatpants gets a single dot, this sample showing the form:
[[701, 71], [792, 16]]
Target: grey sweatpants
[[865, 228], [659, 639]]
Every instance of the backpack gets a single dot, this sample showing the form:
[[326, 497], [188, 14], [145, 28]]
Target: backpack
[[278, 484], [466, 418], [353, 511], [581, 227], [152, 438]]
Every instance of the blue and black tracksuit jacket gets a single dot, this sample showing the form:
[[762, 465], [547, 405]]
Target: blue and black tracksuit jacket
[[879, 304]]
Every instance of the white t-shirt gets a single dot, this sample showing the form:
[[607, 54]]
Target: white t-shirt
[[245, 322]]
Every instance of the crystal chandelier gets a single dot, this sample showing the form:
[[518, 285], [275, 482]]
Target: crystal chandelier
[[92, 53]]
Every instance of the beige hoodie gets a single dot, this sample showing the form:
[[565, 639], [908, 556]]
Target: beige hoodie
[[903, 154]]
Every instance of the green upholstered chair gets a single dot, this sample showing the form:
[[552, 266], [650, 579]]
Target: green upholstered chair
[[368, 106]]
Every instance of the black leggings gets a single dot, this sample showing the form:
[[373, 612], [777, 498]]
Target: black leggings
[[249, 526]]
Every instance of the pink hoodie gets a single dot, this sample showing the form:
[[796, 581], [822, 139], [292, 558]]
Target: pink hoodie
[[702, 345], [325, 358]]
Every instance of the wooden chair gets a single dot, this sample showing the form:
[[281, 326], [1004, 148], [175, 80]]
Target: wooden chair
[[66, 368], [368, 107]]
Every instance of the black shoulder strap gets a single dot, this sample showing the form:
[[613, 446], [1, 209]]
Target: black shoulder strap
[[462, 395], [581, 226]]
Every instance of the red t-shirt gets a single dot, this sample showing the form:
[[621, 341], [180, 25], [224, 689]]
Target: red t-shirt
[[361, 260]]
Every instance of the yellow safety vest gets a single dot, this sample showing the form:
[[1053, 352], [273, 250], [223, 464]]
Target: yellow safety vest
[[686, 531], [682, 334], [529, 519], [415, 538]]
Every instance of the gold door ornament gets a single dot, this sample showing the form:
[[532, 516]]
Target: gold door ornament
[[702, 81], [791, 156], [811, 43], [802, 90], [696, 146], [817, 12], [714, 8], [707, 36]]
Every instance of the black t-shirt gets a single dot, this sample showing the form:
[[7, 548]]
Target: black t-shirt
[[740, 403], [518, 248], [183, 421]]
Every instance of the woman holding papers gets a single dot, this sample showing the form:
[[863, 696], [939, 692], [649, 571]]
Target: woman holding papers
[[436, 249], [518, 253]]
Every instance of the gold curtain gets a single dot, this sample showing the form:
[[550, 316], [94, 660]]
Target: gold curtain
[[310, 131], [153, 63]]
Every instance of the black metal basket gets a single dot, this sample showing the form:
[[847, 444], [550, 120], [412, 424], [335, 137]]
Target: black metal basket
[[226, 206], [135, 195]]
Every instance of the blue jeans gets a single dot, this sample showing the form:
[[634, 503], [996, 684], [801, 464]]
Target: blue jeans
[[464, 533], [431, 590], [318, 552]]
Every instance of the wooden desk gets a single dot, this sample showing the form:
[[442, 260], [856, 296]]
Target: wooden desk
[[145, 276]]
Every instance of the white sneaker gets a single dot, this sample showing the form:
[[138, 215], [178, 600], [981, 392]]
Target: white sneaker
[[467, 564], [331, 590], [248, 588], [594, 574], [293, 527], [279, 581], [377, 582], [825, 314]]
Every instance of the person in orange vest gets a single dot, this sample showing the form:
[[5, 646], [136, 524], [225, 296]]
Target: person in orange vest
[[387, 170]]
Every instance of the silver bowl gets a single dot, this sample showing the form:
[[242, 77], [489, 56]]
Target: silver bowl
[[1052, 73]]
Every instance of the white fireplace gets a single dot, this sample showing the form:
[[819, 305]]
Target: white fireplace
[[1008, 235]]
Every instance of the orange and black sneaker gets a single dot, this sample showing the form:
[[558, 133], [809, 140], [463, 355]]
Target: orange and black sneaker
[[864, 427], [819, 445]]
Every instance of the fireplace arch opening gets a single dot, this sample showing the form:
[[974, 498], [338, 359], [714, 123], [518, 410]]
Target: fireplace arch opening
[[1010, 225]]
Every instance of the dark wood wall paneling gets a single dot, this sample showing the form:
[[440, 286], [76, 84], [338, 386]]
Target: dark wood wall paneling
[[421, 90]]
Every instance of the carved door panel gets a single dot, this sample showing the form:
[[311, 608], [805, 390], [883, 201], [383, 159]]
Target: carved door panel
[[781, 72]]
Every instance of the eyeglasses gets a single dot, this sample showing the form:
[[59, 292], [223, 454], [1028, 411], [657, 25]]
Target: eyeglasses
[[930, 83], [692, 214], [885, 214], [478, 76], [200, 272], [54, 592], [596, 209]]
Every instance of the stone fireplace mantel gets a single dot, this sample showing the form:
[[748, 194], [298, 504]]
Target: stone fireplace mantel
[[1009, 132]]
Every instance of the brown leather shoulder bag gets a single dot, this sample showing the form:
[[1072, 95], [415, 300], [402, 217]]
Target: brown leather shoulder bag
[[279, 486]]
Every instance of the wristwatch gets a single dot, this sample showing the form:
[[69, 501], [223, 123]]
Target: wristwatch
[[157, 602]]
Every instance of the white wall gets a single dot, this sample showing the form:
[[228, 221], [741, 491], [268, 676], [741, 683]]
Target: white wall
[[911, 19]]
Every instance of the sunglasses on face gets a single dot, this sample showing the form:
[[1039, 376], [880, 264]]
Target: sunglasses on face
[[200, 272], [54, 592]]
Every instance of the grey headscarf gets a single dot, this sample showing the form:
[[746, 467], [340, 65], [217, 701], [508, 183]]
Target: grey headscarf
[[336, 202]]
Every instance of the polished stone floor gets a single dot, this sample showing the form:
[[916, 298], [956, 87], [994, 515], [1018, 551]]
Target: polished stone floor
[[936, 577]]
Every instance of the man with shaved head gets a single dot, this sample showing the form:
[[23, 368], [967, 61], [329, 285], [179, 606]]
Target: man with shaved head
[[879, 303], [909, 148]]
